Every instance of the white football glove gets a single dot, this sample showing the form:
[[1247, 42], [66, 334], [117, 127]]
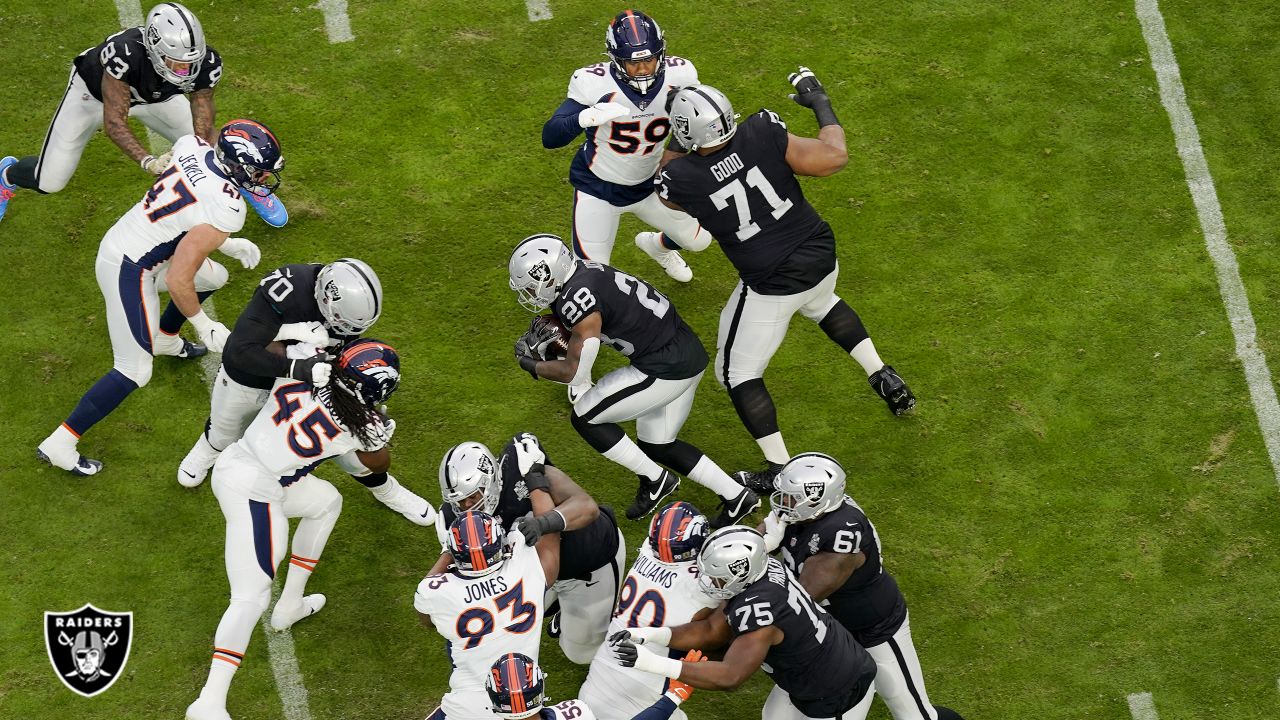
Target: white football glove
[[528, 453], [243, 250], [156, 165], [307, 333], [601, 113], [212, 333], [773, 531]]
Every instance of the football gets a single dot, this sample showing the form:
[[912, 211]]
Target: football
[[557, 344]]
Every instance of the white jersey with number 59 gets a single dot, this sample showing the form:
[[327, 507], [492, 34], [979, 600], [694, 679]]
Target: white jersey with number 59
[[191, 191], [484, 618], [655, 594], [626, 151]]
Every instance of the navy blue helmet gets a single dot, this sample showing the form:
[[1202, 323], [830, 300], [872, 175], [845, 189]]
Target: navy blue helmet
[[677, 532], [635, 36], [516, 686], [250, 154], [371, 369]]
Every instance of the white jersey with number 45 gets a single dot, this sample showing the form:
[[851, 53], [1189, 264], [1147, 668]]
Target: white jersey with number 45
[[655, 594], [484, 618], [626, 151], [191, 191]]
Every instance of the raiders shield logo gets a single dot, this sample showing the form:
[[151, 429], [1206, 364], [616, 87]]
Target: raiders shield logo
[[88, 647]]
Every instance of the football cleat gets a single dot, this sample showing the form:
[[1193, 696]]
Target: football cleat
[[204, 709], [670, 260], [652, 492], [67, 459], [731, 511], [269, 208], [6, 189], [195, 467], [283, 617], [179, 347], [890, 387], [760, 482], [553, 619]]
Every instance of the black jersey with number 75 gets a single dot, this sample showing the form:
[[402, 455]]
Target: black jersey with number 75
[[635, 319]]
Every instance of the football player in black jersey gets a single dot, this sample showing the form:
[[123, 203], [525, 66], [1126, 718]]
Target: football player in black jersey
[[601, 304], [144, 72], [767, 621], [592, 551], [833, 549], [740, 182]]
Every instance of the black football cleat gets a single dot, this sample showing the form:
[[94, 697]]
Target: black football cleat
[[652, 492], [191, 350], [761, 481], [731, 511], [890, 387]]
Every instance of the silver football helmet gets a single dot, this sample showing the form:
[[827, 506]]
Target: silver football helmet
[[172, 32], [701, 116], [349, 296], [732, 558], [809, 485], [539, 266], [466, 469]]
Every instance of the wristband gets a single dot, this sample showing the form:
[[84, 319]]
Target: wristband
[[529, 364], [143, 163], [822, 110], [652, 663]]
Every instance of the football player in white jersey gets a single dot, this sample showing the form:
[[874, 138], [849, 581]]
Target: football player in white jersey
[[264, 479], [163, 244], [660, 590], [517, 691], [488, 603], [622, 107]]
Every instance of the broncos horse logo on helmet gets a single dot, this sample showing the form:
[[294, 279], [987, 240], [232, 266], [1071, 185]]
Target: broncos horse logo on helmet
[[370, 370], [677, 532], [250, 154]]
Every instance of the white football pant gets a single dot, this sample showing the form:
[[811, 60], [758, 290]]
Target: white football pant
[[658, 406], [79, 116], [586, 607], [131, 294], [898, 677], [464, 705], [595, 225], [615, 695], [232, 407], [752, 327], [778, 707]]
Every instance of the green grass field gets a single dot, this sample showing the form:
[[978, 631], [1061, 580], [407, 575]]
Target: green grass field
[[1081, 507]]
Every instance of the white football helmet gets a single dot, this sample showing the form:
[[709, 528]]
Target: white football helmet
[[349, 296], [809, 485], [539, 266], [466, 469], [172, 32], [701, 116], [732, 558]]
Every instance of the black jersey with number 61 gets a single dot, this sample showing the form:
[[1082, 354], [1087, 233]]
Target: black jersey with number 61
[[635, 319], [124, 57], [748, 197], [818, 662]]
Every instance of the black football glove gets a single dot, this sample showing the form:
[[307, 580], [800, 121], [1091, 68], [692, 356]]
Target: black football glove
[[624, 650], [542, 333], [808, 89], [536, 479], [533, 528], [315, 370], [525, 356]]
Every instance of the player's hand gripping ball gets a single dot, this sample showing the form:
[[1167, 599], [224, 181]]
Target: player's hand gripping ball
[[548, 338]]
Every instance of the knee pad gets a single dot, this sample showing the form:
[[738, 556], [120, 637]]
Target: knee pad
[[256, 599], [577, 652], [211, 276], [140, 373]]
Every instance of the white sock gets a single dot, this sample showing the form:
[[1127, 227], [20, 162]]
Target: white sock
[[709, 475], [629, 455], [219, 682], [775, 451], [295, 582], [64, 437], [866, 355]]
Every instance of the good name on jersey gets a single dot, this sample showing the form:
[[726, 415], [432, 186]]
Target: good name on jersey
[[654, 572], [726, 167]]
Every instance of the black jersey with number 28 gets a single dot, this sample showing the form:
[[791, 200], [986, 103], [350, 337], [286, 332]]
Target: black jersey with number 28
[[635, 319], [749, 199], [123, 56], [869, 604], [818, 662]]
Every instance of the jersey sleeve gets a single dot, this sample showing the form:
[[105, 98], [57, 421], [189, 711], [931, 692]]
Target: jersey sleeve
[[424, 595], [587, 85], [572, 307], [210, 71], [756, 608], [772, 126], [224, 212], [246, 348], [681, 72]]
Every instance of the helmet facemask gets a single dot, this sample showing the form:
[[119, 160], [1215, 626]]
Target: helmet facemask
[[539, 266], [636, 36]]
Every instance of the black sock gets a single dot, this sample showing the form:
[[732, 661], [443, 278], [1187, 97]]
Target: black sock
[[23, 174], [602, 437], [172, 318], [843, 326], [755, 408], [677, 455]]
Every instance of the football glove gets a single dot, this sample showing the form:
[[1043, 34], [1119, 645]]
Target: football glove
[[315, 370], [542, 333], [156, 165], [601, 113], [212, 333], [773, 531], [642, 635], [679, 691], [528, 453], [533, 528], [808, 89], [307, 333], [243, 250]]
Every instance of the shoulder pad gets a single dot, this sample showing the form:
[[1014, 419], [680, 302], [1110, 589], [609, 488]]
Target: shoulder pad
[[589, 85]]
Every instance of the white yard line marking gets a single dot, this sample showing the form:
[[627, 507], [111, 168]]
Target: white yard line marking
[[284, 659], [1200, 182], [1142, 707], [336, 21], [538, 10]]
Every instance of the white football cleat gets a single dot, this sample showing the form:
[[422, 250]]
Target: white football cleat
[[283, 618], [196, 465], [414, 508], [203, 709], [670, 260]]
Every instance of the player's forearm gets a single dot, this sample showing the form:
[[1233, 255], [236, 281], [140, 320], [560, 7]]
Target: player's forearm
[[561, 371], [714, 675], [578, 511], [117, 128], [246, 351], [563, 126], [202, 114], [698, 634]]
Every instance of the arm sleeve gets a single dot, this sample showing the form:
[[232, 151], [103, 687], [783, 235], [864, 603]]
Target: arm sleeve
[[562, 127], [246, 349], [664, 708]]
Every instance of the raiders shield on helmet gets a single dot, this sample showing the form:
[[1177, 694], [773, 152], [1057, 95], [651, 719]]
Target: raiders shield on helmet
[[88, 647]]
